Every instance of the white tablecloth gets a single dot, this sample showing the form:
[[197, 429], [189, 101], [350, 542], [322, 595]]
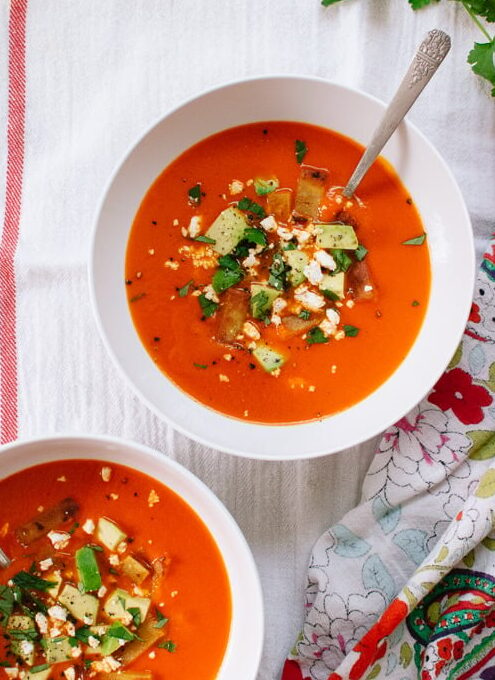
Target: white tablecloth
[[98, 72]]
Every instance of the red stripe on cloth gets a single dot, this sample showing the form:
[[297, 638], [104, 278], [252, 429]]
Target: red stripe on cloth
[[10, 234]]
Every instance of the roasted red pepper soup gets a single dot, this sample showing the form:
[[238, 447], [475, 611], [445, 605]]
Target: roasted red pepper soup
[[263, 292], [112, 576]]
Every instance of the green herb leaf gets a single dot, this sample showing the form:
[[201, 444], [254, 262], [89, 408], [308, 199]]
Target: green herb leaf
[[254, 235], [168, 645], [416, 241], [258, 304], [290, 246], [483, 8], [4, 664], [415, 303], [342, 260], [29, 634], [330, 295], [135, 612], [482, 60], [360, 252], [200, 365], [229, 262], [84, 633], [225, 278], [137, 297], [6, 603], [316, 337], [194, 194], [119, 631], [38, 669], [25, 580], [73, 642], [208, 307], [185, 289], [251, 206], [278, 272], [418, 4], [113, 571], [301, 150], [351, 331], [161, 620], [265, 186], [73, 528], [205, 239], [305, 314]]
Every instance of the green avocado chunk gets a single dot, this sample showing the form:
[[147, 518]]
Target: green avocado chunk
[[336, 235]]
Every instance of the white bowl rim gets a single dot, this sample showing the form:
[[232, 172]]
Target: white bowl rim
[[320, 451], [251, 580]]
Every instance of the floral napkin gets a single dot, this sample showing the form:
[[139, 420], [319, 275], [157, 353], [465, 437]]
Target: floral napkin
[[404, 586]]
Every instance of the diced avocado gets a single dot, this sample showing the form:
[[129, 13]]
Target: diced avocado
[[334, 284], [57, 650], [336, 235], [39, 675], [109, 645], [87, 568], [297, 261], [227, 230], [108, 533], [134, 570], [81, 605], [268, 358], [21, 647], [262, 299], [57, 579], [265, 186], [120, 601]]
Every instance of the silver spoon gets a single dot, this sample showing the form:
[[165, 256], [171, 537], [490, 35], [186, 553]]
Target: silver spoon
[[4, 560], [427, 59]]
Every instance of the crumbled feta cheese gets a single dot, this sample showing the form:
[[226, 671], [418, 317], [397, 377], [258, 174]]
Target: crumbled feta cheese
[[278, 305], [151, 251], [114, 560], [301, 235], [40, 508], [114, 496], [102, 591], [12, 672], [285, 234], [194, 227], [251, 331], [153, 498], [46, 564], [340, 335], [93, 642], [171, 264], [228, 357], [333, 369], [327, 327], [136, 590], [175, 223], [55, 632], [70, 629], [223, 378], [311, 388], [246, 413], [75, 652], [152, 655], [41, 622], [139, 275], [313, 273], [210, 294], [174, 593], [57, 612], [275, 373], [310, 300], [348, 205], [325, 260], [88, 527], [368, 289], [27, 647], [63, 478], [249, 182], [269, 223], [235, 187], [59, 539], [88, 620], [276, 320], [338, 200], [106, 665], [106, 473], [350, 304], [70, 673], [333, 316], [122, 547], [251, 260], [183, 231]]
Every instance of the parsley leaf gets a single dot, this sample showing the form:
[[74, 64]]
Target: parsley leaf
[[290, 246], [305, 314], [330, 295], [482, 60], [137, 297], [360, 252], [84, 633], [342, 260], [168, 645], [351, 331], [254, 235], [38, 669], [316, 336], [251, 206], [301, 150], [208, 307], [205, 239], [185, 289], [278, 272], [259, 303], [198, 366], [416, 241], [228, 275], [160, 619], [483, 8], [194, 194], [24, 579], [418, 4], [135, 612], [415, 303], [119, 631]]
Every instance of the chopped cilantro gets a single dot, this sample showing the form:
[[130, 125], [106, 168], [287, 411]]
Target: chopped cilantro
[[185, 289], [38, 669], [137, 297], [84, 633], [360, 252], [342, 260], [6, 603], [258, 304], [482, 57], [200, 365], [316, 337], [119, 631], [71, 530], [194, 194], [208, 307], [135, 612], [254, 235], [229, 262], [251, 206], [351, 331], [73, 642], [290, 246], [228, 275], [265, 186], [301, 150], [168, 645], [23, 579], [161, 620], [417, 241], [305, 314], [415, 303], [330, 295], [18, 634], [205, 239], [4, 664], [278, 272]]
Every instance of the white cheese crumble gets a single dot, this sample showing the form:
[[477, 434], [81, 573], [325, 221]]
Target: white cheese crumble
[[210, 294], [114, 560], [325, 260], [57, 612], [333, 316], [251, 260], [276, 320], [153, 498], [223, 378], [46, 564], [313, 273], [75, 652], [269, 223], [41, 622], [310, 300], [278, 305], [122, 547], [235, 187], [12, 672], [106, 473], [102, 591], [93, 642], [194, 227], [171, 264], [59, 539], [285, 234], [70, 673], [88, 527], [27, 647], [251, 331]]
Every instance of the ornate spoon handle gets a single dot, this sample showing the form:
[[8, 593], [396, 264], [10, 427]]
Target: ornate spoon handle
[[427, 59]]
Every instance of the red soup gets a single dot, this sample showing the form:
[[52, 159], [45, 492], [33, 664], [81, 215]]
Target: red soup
[[263, 292], [112, 576]]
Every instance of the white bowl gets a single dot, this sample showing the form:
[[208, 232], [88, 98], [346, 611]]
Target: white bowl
[[354, 114], [245, 642]]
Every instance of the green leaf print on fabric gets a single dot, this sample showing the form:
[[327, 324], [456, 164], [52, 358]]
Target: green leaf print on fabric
[[374, 673], [406, 654], [490, 383], [488, 543], [457, 357], [483, 444], [486, 487], [386, 516], [469, 559], [377, 577], [413, 543], [444, 551], [347, 543]]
